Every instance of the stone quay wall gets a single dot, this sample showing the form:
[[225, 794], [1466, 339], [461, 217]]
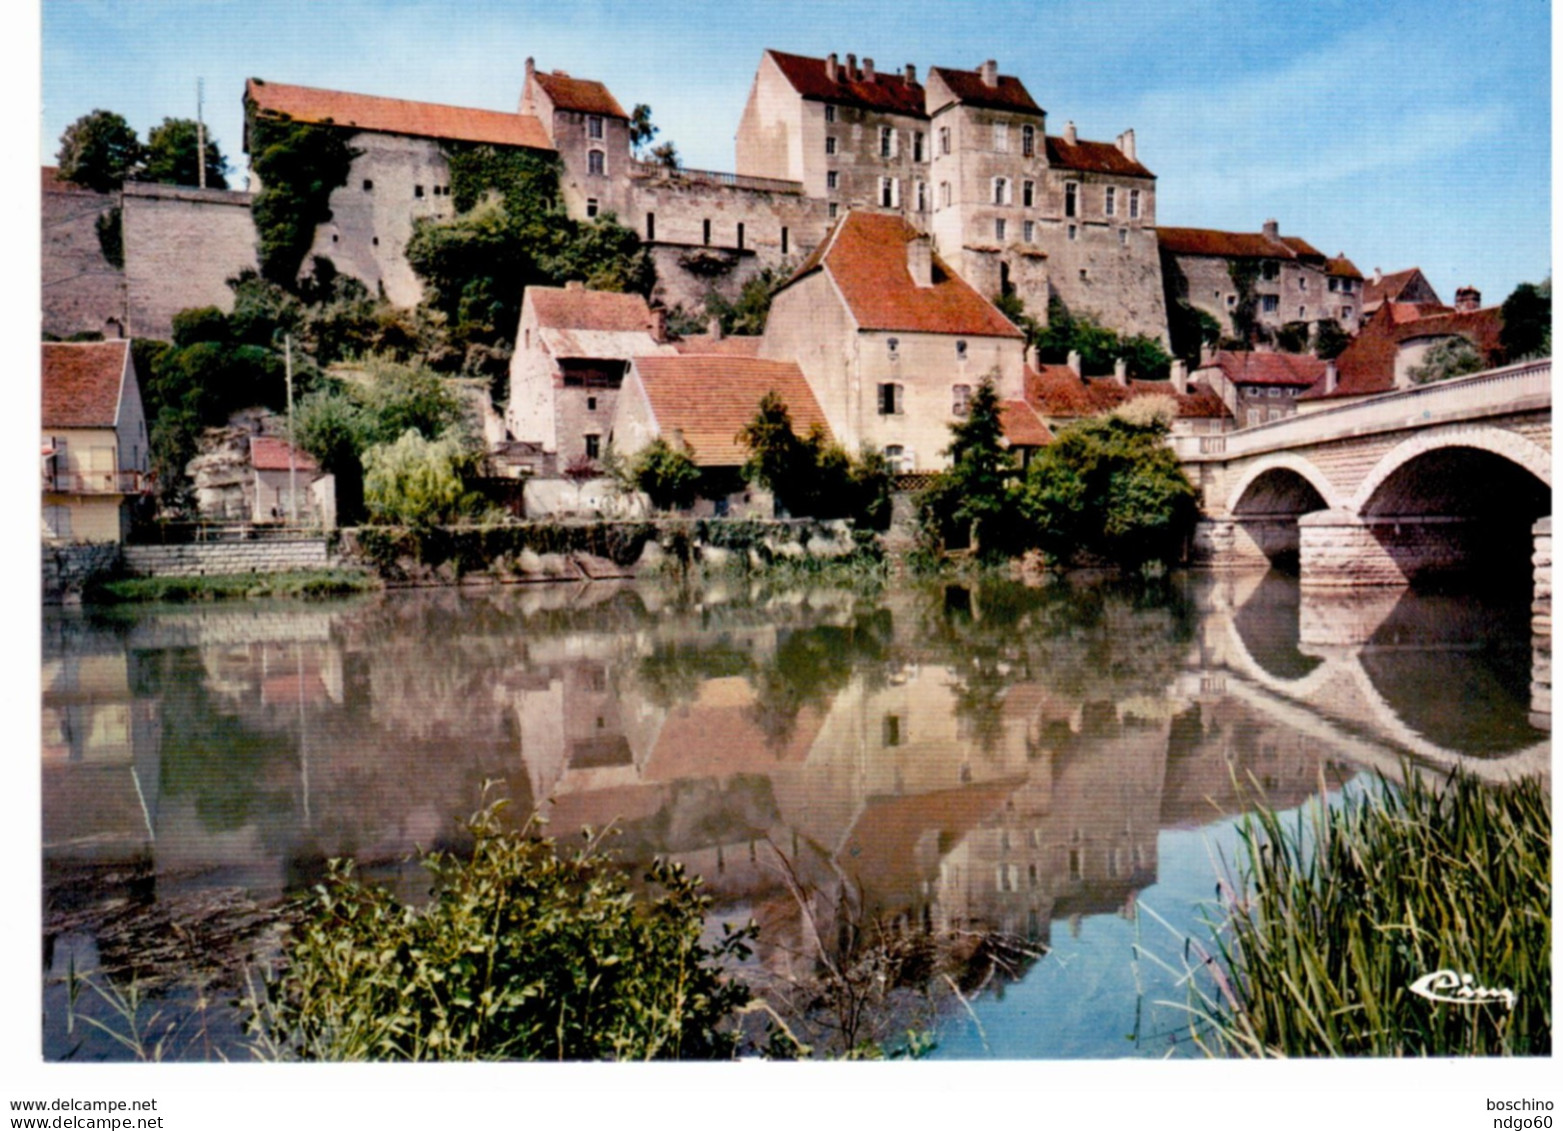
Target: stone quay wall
[[203, 559], [68, 567]]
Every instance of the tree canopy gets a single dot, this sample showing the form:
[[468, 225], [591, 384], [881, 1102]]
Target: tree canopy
[[1527, 321], [99, 151], [172, 155], [974, 499]]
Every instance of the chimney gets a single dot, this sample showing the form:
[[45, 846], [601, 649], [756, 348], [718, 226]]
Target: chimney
[[1207, 356], [1030, 356], [1331, 376], [832, 70], [659, 325], [990, 74], [1074, 361], [868, 69], [526, 87], [1121, 371], [1179, 377], [919, 260], [1126, 144], [911, 74], [1378, 276], [574, 285], [714, 328], [852, 75], [1069, 133], [1272, 230], [1467, 299]]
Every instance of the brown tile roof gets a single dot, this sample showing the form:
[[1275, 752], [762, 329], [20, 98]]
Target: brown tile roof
[[1342, 267], [395, 116], [706, 400], [1057, 392], [733, 345], [1023, 428], [887, 93], [1389, 288], [1367, 365], [270, 453], [584, 96], [81, 383], [1257, 367], [865, 254], [576, 308], [52, 182], [1234, 245], [969, 89], [1093, 157]]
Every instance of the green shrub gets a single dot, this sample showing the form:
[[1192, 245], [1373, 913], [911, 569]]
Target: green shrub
[[417, 481], [667, 475], [525, 952]]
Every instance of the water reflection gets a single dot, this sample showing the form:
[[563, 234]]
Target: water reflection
[[987, 759]]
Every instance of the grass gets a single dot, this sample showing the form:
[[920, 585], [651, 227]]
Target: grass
[[1334, 918], [299, 583]]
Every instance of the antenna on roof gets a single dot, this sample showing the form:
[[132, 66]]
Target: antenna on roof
[[200, 134]]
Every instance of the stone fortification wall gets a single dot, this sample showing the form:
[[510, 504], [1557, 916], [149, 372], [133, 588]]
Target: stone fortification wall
[[182, 245], [68, 568], [82, 290], [216, 558], [1114, 278]]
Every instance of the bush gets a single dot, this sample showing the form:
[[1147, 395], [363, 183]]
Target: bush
[[524, 953], [417, 481], [810, 475], [668, 476]]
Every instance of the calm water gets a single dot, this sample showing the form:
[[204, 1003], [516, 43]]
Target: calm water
[[1039, 766]]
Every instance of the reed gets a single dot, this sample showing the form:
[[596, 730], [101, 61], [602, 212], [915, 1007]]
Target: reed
[[1333, 918]]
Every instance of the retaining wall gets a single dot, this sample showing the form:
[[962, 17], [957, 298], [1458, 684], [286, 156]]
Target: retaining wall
[[67, 568], [218, 558]]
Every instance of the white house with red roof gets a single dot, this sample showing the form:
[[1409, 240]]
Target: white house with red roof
[[95, 456], [288, 485], [891, 340]]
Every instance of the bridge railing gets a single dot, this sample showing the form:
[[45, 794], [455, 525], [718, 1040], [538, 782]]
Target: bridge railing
[[1523, 385]]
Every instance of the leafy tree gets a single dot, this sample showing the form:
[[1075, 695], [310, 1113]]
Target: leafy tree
[[1293, 337], [1527, 321], [415, 481], [1453, 357], [778, 460], [811, 475], [298, 165], [1330, 340], [748, 313], [973, 501], [666, 155], [1098, 346], [668, 475], [641, 129], [335, 429], [1110, 487], [99, 151], [173, 155]]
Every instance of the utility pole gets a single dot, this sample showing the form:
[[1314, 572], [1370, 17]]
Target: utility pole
[[287, 369], [200, 133]]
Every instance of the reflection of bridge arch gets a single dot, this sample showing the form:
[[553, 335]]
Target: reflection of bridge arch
[[1511, 446], [1282, 462]]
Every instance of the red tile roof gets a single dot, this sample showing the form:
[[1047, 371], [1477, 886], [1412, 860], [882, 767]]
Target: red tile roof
[[576, 308], [1389, 288], [969, 89], [81, 383], [1234, 245], [1057, 392], [887, 93], [270, 453], [1257, 367], [734, 345], [718, 734], [865, 254], [583, 96], [707, 399], [1367, 365], [1023, 428], [395, 116], [1093, 157], [1342, 267]]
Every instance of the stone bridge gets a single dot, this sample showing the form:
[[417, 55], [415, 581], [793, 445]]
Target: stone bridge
[[1442, 481]]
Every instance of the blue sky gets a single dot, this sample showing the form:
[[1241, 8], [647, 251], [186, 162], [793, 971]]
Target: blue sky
[[1402, 133]]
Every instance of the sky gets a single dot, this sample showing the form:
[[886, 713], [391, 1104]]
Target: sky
[[1400, 133]]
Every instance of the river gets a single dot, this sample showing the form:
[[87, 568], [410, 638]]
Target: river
[[1043, 780]]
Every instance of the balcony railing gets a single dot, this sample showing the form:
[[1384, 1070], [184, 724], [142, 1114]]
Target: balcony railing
[[96, 482], [707, 177]]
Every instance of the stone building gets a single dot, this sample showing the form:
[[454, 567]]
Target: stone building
[[1288, 279], [1061, 396], [1409, 285], [1257, 386], [893, 342], [182, 245], [95, 454], [573, 348]]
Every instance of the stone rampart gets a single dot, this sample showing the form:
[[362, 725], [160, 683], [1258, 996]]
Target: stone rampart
[[217, 558], [182, 245], [82, 290]]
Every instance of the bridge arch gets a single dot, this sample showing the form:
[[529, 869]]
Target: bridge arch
[[1511, 446], [1266, 502], [1275, 466]]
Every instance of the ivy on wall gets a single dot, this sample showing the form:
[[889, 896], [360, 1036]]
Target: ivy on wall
[[1245, 314], [299, 165], [111, 236]]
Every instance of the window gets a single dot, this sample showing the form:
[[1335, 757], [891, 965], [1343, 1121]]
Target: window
[[1270, 304], [944, 194], [597, 163], [591, 404], [1074, 233], [1333, 285], [594, 128], [368, 185], [1270, 269], [784, 240], [892, 344], [591, 207], [1000, 190], [593, 445], [1000, 137], [895, 456], [832, 180], [705, 231], [830, 210], [830, 147], [1134, 204], [1274, 392], [890, 399], [890, 730], [889, 192], [1028, 141], [960, 351], [998, 228], [417, 191], [651, 225], [918, 153], [1028, 193], [830, 113], [1302, 312], [740, 235], [960, 400], [1123, 237], [922, 196], [1072, 198], [944, 140], [1302, 282], [1029, 231], [887, 145], [1345, 312], [1345, 286], [1231, 300]]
